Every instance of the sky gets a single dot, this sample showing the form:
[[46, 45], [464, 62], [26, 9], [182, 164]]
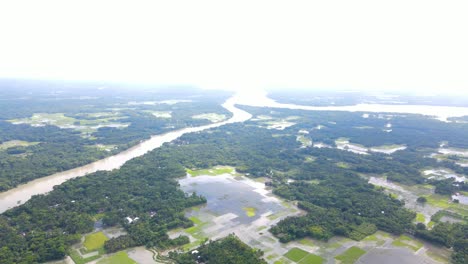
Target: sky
[[241, 45]]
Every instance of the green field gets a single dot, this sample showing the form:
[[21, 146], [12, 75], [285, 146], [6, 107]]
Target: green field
[[307, 242], [407, 242], [420, 218], [195, 220], [83, 125], [296, 254], [95, 241], [213, 117], [250, 211], [218, 170], [16, 143], [118, 258], [311, 259], [76, 257], [343, 165], [351, 255]]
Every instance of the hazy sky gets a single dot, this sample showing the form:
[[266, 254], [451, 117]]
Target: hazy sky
[[241, 44]]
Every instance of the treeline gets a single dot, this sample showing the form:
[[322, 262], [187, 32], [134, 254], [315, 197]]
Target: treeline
[[44, 228], [57, 150], [450, 235], [145, 187], [63, 149], [415, 131], [341, 205], [228, 250]]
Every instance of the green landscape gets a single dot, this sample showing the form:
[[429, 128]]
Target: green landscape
[[257, 191]]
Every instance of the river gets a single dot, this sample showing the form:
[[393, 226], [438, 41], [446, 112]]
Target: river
[[260, 99], [23, 193]]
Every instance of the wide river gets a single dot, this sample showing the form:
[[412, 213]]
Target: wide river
[[22, 193]]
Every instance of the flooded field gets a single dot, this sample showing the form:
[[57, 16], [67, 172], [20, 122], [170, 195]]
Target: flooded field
[[235, 204], [441, 174]]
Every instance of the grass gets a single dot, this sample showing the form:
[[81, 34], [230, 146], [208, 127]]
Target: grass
[[62, 121], [76, 257], [311, 259], [271, 257], [438, 257], [196, 220], [296, 254], [218, 170], [95, 241], [306, 242], [371, 238], [407, 242], [342, 165], [420, 218], [120, 257], [444, 202], [16, 143], [250, 211], [351, 255]]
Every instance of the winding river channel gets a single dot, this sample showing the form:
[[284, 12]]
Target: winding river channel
[[22, 193]]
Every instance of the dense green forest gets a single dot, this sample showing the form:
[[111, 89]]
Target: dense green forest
[[341, 203], [228, 250], [337, 199], [414, 131], [43, 228], [53, 149]]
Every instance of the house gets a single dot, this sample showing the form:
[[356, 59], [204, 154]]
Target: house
[[130, 220]]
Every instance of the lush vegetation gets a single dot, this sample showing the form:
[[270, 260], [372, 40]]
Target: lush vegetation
[[74, 131], [95, 241], [229, 250], [119, 257], [44, 227], [296, 254], [449, 235], [414, 131], [337, 199], [351, 255]]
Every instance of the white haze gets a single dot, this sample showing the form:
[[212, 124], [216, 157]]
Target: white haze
[[347, 45]]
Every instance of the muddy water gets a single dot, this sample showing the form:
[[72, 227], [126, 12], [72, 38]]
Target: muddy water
[[22, 193]]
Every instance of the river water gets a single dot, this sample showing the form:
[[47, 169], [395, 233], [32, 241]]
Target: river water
[[22, 193], [260, 99]]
